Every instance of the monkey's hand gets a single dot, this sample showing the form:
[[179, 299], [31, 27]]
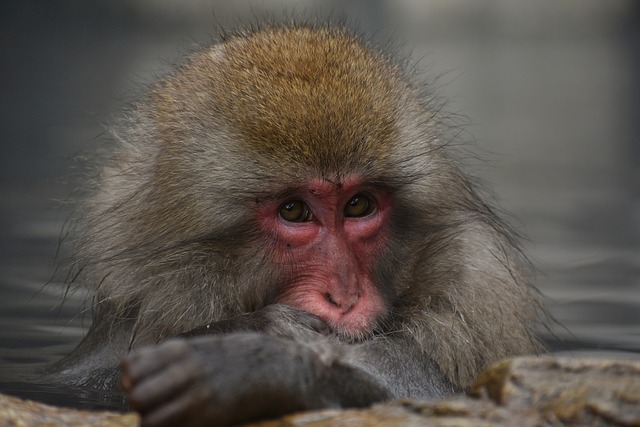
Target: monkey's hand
[[235, 378], [277, 320]]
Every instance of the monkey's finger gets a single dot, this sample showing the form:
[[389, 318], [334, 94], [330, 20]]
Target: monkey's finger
[[147, 361], [156, 390]]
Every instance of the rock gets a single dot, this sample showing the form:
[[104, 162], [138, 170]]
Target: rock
[[527, 391], [566, 390], [460, 412], [19, 412]]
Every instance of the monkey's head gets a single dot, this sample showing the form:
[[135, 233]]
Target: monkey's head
[[291, 165], [299, 129]]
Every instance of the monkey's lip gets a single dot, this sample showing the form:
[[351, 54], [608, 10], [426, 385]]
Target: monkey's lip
[[355, 321]]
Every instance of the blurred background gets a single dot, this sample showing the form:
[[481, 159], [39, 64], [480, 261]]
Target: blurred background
[[550, 90]]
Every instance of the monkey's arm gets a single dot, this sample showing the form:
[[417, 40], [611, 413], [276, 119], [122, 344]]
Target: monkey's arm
[[229, 379], [276, 319]]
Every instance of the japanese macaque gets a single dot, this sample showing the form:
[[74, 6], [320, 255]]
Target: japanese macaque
[[280, 228]]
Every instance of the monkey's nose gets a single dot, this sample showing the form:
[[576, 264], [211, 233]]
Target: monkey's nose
[[343, 302]]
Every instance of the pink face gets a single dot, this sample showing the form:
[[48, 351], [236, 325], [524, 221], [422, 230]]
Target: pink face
[[327, 238]]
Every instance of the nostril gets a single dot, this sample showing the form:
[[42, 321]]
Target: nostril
[[329, 298], [343, 302]]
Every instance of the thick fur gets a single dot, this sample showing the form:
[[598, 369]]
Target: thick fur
[[169, 241]]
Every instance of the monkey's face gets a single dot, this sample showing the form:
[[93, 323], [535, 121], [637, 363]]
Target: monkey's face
[[326, 238]]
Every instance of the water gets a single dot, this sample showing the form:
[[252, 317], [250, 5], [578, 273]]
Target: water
[[553, 97]]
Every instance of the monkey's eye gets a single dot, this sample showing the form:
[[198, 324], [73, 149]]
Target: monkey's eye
[[295, 211], [358, 206]]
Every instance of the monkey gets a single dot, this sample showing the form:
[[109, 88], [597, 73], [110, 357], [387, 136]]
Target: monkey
[[282, 226]]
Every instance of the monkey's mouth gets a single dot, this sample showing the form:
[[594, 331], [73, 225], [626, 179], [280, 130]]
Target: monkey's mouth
[[352, 318]]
